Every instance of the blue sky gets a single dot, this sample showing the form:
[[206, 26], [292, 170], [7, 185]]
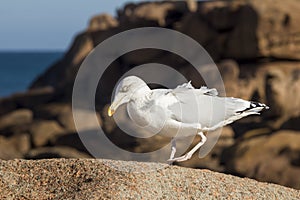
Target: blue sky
[[45, 24]]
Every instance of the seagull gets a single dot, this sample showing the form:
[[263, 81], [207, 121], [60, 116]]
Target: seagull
[[185, 108]]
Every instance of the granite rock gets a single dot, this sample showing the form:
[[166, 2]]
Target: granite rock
[[107, 179]]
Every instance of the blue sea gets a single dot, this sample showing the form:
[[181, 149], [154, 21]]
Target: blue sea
[[19, 69]]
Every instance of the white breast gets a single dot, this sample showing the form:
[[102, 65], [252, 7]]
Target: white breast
[[137, 114]]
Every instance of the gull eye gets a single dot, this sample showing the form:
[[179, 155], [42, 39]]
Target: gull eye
[[124, 89]]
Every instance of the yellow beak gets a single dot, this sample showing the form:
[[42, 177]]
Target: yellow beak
[[110, 111]]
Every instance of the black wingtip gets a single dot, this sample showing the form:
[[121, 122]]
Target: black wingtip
[[254, 104]]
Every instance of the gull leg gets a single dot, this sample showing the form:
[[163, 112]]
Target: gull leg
[[173, 148], [192, 151]]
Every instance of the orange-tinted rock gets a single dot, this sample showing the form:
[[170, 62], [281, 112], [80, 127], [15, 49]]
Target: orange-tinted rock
[[102, 22], [43, 131], [14, 147], [272, 158], [156, 12], [61, 112], [16, 118]]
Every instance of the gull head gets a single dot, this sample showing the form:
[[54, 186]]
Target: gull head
[[125, 91]]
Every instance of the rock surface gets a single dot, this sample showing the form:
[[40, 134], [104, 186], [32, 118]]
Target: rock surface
[[102, 179], [16, 118], [274, 157], [14, 147], [43, 131], [102, 22]]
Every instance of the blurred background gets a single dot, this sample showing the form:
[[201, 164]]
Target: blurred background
[[255, 44]]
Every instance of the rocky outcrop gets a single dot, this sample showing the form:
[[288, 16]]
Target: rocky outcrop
[[28, 99], [278, 30], [14, 147], [157, 13], [102, 22], [255, 29], [256, 47], [16, 118], [43, 131], [267, 158], [269, 82], [106, 179]]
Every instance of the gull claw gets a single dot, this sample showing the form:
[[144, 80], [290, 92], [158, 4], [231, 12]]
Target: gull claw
[[181, 158], [189, 154]]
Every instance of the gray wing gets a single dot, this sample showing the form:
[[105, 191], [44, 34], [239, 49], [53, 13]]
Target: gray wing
[[203, 106]]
